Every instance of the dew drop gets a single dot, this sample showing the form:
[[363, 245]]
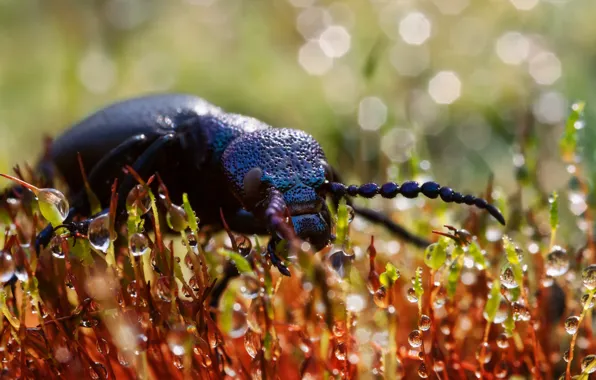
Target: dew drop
[[487, 353], [501, 369], [250, 287], [351, 213], [102, 346], [557, 262], [56, 247], [138, 244], [572, 324], [99, 233], [566, 356], [520, 312], [411, 295], [138, 201], [508, 279], [415, 338], [340, 261], [188, 262], [178, 340], [340, 351], [502, 341], [584, 301], [422, 371], [588, 364], [424, 322], [7, 266], [589, 277], [53, 205], [252, 343], [239, 321], [381, 298], [176, 218]]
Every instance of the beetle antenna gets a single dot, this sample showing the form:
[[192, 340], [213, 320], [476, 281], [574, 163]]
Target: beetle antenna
[[411, 189]]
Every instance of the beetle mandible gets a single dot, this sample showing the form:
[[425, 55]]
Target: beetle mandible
[[263, 180]]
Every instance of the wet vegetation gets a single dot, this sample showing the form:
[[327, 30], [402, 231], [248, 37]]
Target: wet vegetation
[[133, 299]]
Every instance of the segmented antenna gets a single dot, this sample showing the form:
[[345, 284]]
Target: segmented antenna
[[411, 189]]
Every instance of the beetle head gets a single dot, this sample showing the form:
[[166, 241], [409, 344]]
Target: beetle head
[[277, 174]]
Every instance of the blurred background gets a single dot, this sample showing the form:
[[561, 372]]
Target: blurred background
[[449, 85]]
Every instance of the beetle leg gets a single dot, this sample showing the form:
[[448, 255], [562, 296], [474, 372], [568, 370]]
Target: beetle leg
[[143, 166], [275, 260], [380, 218]]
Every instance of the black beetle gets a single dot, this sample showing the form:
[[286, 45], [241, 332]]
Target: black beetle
[[263, 180]]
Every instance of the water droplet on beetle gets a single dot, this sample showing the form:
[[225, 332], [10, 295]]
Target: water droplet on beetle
[[589, 277], [53, 205], [572, 324], [557, 262], [7, 266], [99, 233], [138, 244]]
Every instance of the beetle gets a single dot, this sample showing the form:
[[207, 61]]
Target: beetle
[[262, 180]]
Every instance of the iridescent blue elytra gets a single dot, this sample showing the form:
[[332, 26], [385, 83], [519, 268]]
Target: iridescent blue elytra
[[262, 180]]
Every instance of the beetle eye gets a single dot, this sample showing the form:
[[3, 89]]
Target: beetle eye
[[252, 183]]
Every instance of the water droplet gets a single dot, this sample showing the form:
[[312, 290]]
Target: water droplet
[[178, 340], [138, 244], [138, 201], [424, 323], [21, 273], [239, 321], [415, 338], [501, 369], [439, 366], [177, 361], [502, 341], [572, 324], [99, 233], [102, 346], [252, 343], [188, 262], [250, 287], [340, 262], [584, 300], [53, 205], [589, 277], [177, 218], [194, 284], [566, 356], [56, 247], [587, 362], [520, 312], [340, 351], [256, 316], [351, 213], [487, 353], [557, 262], [411, 295], [381, 298], [7, 266], [422, 371], [508, 279]]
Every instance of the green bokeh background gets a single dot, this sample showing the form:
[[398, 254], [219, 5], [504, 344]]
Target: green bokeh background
[[62, 59]]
